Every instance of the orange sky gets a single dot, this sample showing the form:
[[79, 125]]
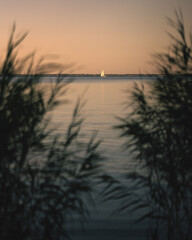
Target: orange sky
[[115, 35]]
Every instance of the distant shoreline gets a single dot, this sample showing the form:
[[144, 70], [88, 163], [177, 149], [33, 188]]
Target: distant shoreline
[[88, 75], [97, 75]]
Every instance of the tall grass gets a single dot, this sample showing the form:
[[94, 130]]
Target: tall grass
[[159, 132], [43, 178]]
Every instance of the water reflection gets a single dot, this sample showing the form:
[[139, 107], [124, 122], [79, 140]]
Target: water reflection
[[104, 101]]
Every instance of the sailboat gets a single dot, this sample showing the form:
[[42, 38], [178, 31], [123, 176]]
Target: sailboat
[[102, 74]]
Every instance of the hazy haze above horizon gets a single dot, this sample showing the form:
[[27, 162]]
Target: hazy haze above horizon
[[115, 35]]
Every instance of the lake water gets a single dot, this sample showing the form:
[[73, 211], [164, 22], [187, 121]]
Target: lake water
[[105, 99]]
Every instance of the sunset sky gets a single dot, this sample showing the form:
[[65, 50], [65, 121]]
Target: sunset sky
[[118, 36]]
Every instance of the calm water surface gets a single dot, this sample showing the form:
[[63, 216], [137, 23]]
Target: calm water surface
[[105, 99]]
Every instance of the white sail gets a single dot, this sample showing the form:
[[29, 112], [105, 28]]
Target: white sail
[[102, 74]]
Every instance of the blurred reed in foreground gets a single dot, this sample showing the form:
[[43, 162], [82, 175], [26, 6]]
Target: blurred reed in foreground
[[43, 180], [159, 132]]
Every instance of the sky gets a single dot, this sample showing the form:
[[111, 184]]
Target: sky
[[118, 36]]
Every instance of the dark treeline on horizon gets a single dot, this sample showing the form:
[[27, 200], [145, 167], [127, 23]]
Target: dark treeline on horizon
[[98, 75]]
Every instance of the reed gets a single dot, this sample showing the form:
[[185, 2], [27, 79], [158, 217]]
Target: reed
[[43, 177], [159, 133]]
